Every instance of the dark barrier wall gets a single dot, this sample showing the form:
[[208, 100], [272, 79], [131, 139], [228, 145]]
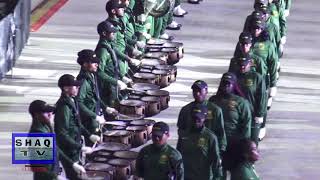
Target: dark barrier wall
[[14, 31]]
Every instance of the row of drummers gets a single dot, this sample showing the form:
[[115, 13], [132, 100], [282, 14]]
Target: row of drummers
[[114, 158]]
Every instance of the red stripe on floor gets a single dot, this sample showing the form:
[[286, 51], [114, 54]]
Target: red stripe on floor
[[34, 27]]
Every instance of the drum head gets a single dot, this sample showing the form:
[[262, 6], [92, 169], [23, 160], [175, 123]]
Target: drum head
[[126, 154], [119, 162], [157, 93], [99, 167], [143, 122], [132, 102], [144, 86], [111, 147], [115, 133]]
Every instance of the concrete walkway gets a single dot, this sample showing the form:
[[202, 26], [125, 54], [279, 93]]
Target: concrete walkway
[[210, 31]]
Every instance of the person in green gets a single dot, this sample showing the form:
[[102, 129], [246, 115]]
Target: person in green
[[68, 127], [132, 28], [159, 161], [278, 18], [42, 114], [214, 119], [246, 157], [92, 108], [261, 13], [200, 148], [115, 10], [286, 5], [236, 114], [109, 73], [253, 87]]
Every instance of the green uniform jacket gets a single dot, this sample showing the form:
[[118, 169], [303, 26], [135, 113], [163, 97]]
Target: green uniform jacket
[[158, 163], [267, 52], [253, 86], [214, 122], [200, 154], [130, 25], [51, 174], [245, 171], [278, 18], [120, 45], [108, 72], [68, 127], [89, 101], [236, 114]]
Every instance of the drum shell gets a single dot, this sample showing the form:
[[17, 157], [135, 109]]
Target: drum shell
[[132, 159], [173, 56], [129, 107], [164, 77], [140, 135], [163, 95], [171, 68], [146, 123], [120, 136], [153, 105], [123, 169]]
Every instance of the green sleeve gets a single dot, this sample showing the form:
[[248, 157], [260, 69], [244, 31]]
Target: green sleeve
[[261, 101], [233, 65], [177, 164], [63, 156], [215, 158], [82, 104], [139, 164], [222, 134], [121, 55], [282, 23], [105, 65], [245, 119], [288, 4], [84, 131], [272, 61], [181, 124], [62, 119]]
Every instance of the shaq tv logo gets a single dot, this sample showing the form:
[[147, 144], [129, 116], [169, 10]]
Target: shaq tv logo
[[33, 148]]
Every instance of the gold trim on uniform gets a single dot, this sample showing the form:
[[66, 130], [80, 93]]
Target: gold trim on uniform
[[249, 82], [163, 159], [202, 142]]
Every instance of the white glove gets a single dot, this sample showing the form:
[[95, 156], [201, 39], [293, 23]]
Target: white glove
[[141, 44], [126, 80], [152, 1], [94, 138], [283, 40], [136, 52], [146, 35], [121, 85], [110, 110], [135, 62], [148, 26], [86, 150], [286, 13], [269, 102], [78, 168], [273, 91], [258, 120], [142, 18], [100, 119], [281, 48]]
